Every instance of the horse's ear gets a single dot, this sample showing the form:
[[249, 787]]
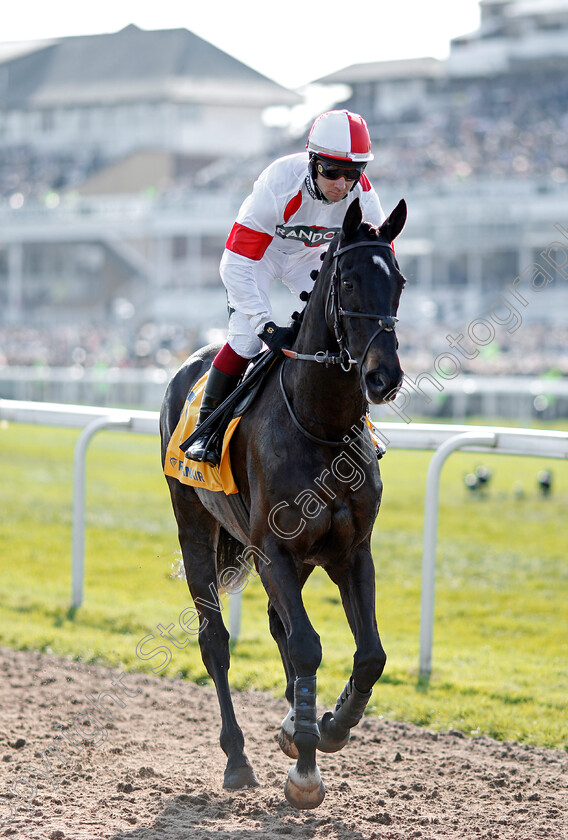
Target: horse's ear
[[352, 220], [392, 226]]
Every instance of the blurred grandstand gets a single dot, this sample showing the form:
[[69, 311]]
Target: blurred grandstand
[[120, 179]]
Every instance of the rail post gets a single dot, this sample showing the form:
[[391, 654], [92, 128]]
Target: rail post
[[78, 521], [430, 536]]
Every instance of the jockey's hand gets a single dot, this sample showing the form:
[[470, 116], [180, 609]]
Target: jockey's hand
[[278, 337]]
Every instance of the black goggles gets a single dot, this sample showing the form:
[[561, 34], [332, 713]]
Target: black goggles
[[332, 172]]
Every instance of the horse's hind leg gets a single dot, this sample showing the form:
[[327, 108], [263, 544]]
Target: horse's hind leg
[[198, 534], [358, 595]]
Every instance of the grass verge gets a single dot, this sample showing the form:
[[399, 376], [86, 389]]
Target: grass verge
[[500, 644]]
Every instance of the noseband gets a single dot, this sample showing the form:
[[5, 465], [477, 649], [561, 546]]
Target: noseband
[[344, 358]]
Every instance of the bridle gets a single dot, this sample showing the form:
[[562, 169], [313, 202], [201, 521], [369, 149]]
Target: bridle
[[344, 358], [333, 305], [386, 322]]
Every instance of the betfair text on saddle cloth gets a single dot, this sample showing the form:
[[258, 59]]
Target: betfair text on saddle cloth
[[217, 478]]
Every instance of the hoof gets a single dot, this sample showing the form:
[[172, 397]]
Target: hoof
[[327, 743], [240, 778], [287, 745], [304, 792], [286, 736]]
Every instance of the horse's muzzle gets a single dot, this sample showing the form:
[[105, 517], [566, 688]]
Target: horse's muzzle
[[380, 386]]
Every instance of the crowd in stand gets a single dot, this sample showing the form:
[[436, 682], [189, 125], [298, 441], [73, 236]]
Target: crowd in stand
[[534, 350], [90, 345], [514, 128], [531, 350], [26, 173]]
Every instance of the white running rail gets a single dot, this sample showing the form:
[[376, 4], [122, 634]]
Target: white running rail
[[443, 439]]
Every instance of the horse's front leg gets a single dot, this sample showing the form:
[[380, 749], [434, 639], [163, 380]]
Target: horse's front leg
[[286, 734], [357, 588], [304, 788]]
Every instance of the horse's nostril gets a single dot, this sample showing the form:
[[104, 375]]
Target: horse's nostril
[[380, 387], [377, 381]]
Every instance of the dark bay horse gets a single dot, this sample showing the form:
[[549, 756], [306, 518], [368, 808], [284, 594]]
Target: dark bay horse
[[308, 476]]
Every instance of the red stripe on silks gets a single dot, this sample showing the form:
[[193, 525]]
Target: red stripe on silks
[[293, 205], [229, 362], [247, 242], [365, 183], [359, 135]]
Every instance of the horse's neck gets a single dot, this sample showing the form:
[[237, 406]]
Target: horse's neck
[[324, 397]]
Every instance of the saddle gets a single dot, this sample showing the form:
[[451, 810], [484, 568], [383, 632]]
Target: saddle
[[252, 380], [201, 474], [240, 399]]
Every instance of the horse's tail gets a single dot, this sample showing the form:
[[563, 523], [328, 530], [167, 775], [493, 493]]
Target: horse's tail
[[232, 564]]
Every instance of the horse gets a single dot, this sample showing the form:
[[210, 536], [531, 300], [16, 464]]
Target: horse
[[308, 476]]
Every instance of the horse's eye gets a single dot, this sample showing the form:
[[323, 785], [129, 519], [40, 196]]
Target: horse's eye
[[347, 284]]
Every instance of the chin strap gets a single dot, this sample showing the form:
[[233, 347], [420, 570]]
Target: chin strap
[[313, 189]]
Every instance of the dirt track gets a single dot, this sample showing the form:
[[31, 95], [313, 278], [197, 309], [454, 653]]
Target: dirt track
[[155, 771]]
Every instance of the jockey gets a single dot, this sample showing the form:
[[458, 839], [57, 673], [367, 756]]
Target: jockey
[[296, 207]]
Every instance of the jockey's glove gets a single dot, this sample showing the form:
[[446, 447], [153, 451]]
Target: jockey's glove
[[278, 337]]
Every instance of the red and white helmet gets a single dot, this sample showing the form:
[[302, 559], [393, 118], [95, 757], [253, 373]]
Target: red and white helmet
[[340, 135]]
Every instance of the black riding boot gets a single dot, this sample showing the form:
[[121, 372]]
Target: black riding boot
[[207, 447]]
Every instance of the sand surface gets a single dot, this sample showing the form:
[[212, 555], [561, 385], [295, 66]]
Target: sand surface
[[154, 770]]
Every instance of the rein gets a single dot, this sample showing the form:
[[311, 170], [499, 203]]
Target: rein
[[347, 438], [344, 358]]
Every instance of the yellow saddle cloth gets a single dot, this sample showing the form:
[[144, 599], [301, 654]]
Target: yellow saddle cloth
[[196, 474]]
